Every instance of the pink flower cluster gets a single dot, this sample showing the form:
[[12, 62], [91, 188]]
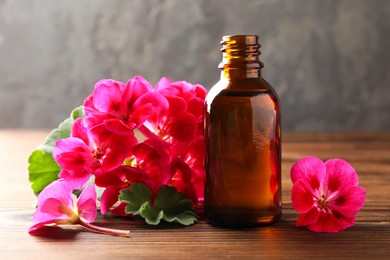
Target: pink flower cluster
[[134, 133]]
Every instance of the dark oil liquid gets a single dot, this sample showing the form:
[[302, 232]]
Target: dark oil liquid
[[243, 172]]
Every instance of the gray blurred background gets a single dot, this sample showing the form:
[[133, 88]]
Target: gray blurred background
[[329, 60]]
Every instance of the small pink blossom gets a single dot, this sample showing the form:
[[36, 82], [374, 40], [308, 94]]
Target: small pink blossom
[[111, 104], [90, 151], [326, 194], [150, 164], [57, 205]]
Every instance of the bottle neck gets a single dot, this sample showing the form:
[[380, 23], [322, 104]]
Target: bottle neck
[[240, 57]]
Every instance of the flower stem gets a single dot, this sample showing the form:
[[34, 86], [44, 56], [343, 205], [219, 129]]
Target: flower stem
[[102, 230]]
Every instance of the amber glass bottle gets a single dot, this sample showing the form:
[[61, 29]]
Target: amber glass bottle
[[242, 133]]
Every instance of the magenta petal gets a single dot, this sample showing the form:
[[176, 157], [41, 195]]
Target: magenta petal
[[340, 175], [141, 85], [118, 149], [52, 201], [196, 107], [134, 89], [88, 105], [183, 128], [159, 104], [87, 203], [120, 210], [119, 127], [48, 222], [177, 105], [328, 222], [163, 83], [109, 198], [107, 96], [349, 202], [200, 91], [308, 218], [302, 196], [76, 180], [141, 114], [60, 190], [311, 169], [54, 207], [70, 144], [79, 130]]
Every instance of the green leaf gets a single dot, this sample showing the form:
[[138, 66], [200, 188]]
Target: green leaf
[[169, 205], [135, 198], [151, 215], [42, 168], [78, 112]]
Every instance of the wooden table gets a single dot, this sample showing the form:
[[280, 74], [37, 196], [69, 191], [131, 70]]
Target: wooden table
[[369, 153]]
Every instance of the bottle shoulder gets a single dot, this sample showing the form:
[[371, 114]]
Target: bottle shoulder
[[241, 88]]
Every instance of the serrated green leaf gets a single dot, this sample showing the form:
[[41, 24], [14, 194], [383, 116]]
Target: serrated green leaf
[[136, 197], [43, 170], [169, 205], [77, 113], [151, 215], [175, 206]]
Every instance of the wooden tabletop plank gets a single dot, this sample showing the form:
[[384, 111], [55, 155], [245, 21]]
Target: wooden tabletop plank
[[369, 153]]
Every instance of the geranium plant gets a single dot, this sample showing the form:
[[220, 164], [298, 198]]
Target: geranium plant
[[141, 146]]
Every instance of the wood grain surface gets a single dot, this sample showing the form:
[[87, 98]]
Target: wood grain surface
[[369, 238]]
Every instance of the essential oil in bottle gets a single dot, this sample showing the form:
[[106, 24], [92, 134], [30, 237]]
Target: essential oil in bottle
[[242, 135]]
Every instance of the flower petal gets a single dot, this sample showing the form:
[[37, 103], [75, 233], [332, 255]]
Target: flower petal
[[308, 218], [163, 83], [159, 107], [120, 210], [107, 96], [40, 225], [134, 89], [73, 155], [302, 196], [76, 180], [311, 169], [349, 202], [340, 175], [183, 128], [109, 198], [59, 189], [79, 130], [52, 201], [177, 105], [86, 203], [118, 127], [141, 113], [328, 222]]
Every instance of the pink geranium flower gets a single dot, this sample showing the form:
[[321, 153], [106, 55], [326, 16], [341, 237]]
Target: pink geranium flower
[[150, 164], [326, 194], [180, 119], [188, 170], [57, 206], [90, 151], [111, 104]]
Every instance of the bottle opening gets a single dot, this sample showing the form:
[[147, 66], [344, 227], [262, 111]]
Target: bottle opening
[[241, 51], [240, 56]]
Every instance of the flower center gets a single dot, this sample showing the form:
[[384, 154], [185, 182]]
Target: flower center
[[98, 154], [322, 202]]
